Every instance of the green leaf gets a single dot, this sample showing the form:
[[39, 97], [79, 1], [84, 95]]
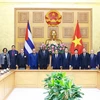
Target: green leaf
[[60, 87]]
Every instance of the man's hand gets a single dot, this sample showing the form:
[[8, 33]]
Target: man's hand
[[26, 65], [16, 66], [80, 67], [8, 66], [60, 67], [88, 66], [97, 67], [70, 67]]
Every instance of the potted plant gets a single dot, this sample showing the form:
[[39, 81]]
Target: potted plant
[[60, 87]]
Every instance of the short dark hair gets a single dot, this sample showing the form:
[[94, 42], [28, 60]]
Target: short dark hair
[[13, 46], [66, 47], [75, 49], [4, 49]]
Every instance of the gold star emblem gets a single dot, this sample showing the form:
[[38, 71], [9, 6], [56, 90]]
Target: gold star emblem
[[77, 41], [53, 14]]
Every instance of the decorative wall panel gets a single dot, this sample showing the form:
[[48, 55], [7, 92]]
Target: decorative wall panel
[[68, 32], [38, 17], [23, 17], [68, 17], [20, 46], [86, 45], [84, 32], [83, 17], [38, 32], [21, 32]]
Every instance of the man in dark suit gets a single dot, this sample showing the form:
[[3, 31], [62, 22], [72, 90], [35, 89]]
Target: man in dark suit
[[85, 60], [93, 60], [98, 59], [56, 61], [66, 57], [13, 57], [33, 60], [43, 58], [75, 60], [22, 60]]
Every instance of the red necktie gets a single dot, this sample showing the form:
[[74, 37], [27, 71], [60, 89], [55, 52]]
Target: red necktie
[[12, 53]]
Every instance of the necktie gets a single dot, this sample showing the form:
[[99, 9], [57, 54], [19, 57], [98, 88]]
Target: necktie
[[12, 53], [92, 56], [84, 54], [66, 55], [34, 54], [76, 56], [56, 56], [22, 54], [44, 53]]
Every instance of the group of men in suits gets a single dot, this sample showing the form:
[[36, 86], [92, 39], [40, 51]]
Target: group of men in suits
[[76, 61], [14, 59], [19, 60]]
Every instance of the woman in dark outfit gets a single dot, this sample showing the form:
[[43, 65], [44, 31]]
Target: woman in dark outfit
[[4, 59]]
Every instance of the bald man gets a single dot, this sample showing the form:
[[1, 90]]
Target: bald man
[[22, 60], [93, 60], [85, 60]]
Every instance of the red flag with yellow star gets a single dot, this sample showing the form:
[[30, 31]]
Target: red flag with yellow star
[[77, 41]]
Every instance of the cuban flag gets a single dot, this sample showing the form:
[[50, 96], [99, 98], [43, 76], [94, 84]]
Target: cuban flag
[[29, 45]]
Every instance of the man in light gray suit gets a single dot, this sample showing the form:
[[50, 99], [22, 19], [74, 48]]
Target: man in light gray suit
[[4, 59]]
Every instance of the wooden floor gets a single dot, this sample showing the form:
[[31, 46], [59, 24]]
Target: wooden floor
[[38, 94], [34, 79]]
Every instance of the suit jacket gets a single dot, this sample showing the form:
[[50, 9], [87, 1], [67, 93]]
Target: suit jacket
[[2, 59], [33, 60], [66, 61], [13, 58], [22, 60], [85, 61], [56, 62], [75, 62], [43, 59], [98, 58], [93, 61]]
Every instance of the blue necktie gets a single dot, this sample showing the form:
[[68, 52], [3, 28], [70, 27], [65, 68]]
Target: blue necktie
[[56, 56], [76, 56], [44, 53], [92, 56]]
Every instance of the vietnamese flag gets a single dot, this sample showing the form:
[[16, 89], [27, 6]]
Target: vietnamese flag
[[77, 41]]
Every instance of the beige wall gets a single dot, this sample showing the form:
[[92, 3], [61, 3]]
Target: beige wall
[[7, 18]]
